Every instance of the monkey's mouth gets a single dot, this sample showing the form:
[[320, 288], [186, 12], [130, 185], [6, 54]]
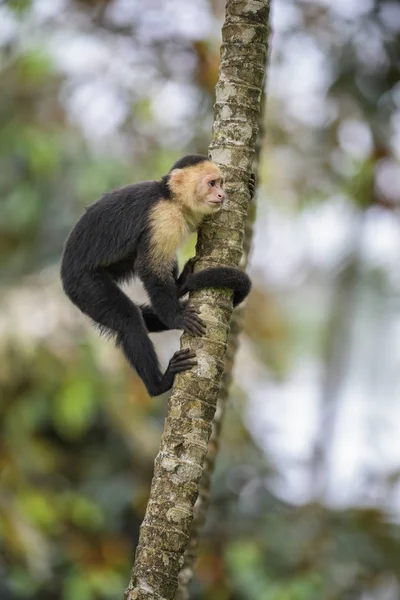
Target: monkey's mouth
[[216, 203]]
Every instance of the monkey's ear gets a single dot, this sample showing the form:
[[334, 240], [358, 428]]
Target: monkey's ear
[[175, 177]]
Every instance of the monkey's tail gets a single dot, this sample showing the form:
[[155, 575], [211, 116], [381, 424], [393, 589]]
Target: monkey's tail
[[219, 277]]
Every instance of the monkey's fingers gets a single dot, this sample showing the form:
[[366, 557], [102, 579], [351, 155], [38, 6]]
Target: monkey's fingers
[[182, 360], [191, 262], [183, 354], [252, 185], [185, 351], [183, 366], [194, 325], [192, 309]]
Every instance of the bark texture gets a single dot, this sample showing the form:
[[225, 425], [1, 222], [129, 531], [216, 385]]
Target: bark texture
[[203, 500], [165, 531]]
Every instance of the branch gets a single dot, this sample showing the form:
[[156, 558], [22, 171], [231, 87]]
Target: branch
[[165, 531]]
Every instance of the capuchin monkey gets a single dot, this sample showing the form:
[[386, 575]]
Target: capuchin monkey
[[136, 231]]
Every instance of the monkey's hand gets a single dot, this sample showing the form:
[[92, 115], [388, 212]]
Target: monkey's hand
[[187, 270], [252, 185], [190, 322]]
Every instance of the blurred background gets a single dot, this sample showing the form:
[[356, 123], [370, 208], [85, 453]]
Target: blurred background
[[96, 94]]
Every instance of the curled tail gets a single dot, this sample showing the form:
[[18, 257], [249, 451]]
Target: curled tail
[[219, 277]]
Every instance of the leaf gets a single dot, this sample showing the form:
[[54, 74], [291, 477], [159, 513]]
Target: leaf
[[86, 513], [74, 408], [19, 6], [40, 509], [77, 586]]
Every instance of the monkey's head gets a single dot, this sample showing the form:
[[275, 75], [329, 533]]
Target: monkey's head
[[197, 183]]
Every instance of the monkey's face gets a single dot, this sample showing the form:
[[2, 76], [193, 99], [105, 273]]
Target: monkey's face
[[199, 187], [211, 191], [209, 194]]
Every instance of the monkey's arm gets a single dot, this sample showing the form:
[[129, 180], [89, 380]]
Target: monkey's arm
[[153, 323], [219, 277], [215, 277], [186, 271], [163, 292]]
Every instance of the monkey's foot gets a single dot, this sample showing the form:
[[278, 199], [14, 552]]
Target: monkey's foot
[[182, 360]]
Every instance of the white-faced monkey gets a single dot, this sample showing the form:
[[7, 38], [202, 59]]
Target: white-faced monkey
[[136, 231]]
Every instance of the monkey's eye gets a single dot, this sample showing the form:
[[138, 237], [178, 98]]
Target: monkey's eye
[[212, 183]]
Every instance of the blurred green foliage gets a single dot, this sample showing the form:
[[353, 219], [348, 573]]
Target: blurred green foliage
[[78, 433]]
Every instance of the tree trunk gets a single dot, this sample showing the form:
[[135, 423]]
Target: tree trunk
[[203, 500], [165, 531]]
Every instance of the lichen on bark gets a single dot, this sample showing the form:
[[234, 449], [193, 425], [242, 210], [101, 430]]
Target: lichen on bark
[[165, 531]]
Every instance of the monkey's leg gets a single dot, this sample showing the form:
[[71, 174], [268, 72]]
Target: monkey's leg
[[141, 354], [100, 298], [123, 271]]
